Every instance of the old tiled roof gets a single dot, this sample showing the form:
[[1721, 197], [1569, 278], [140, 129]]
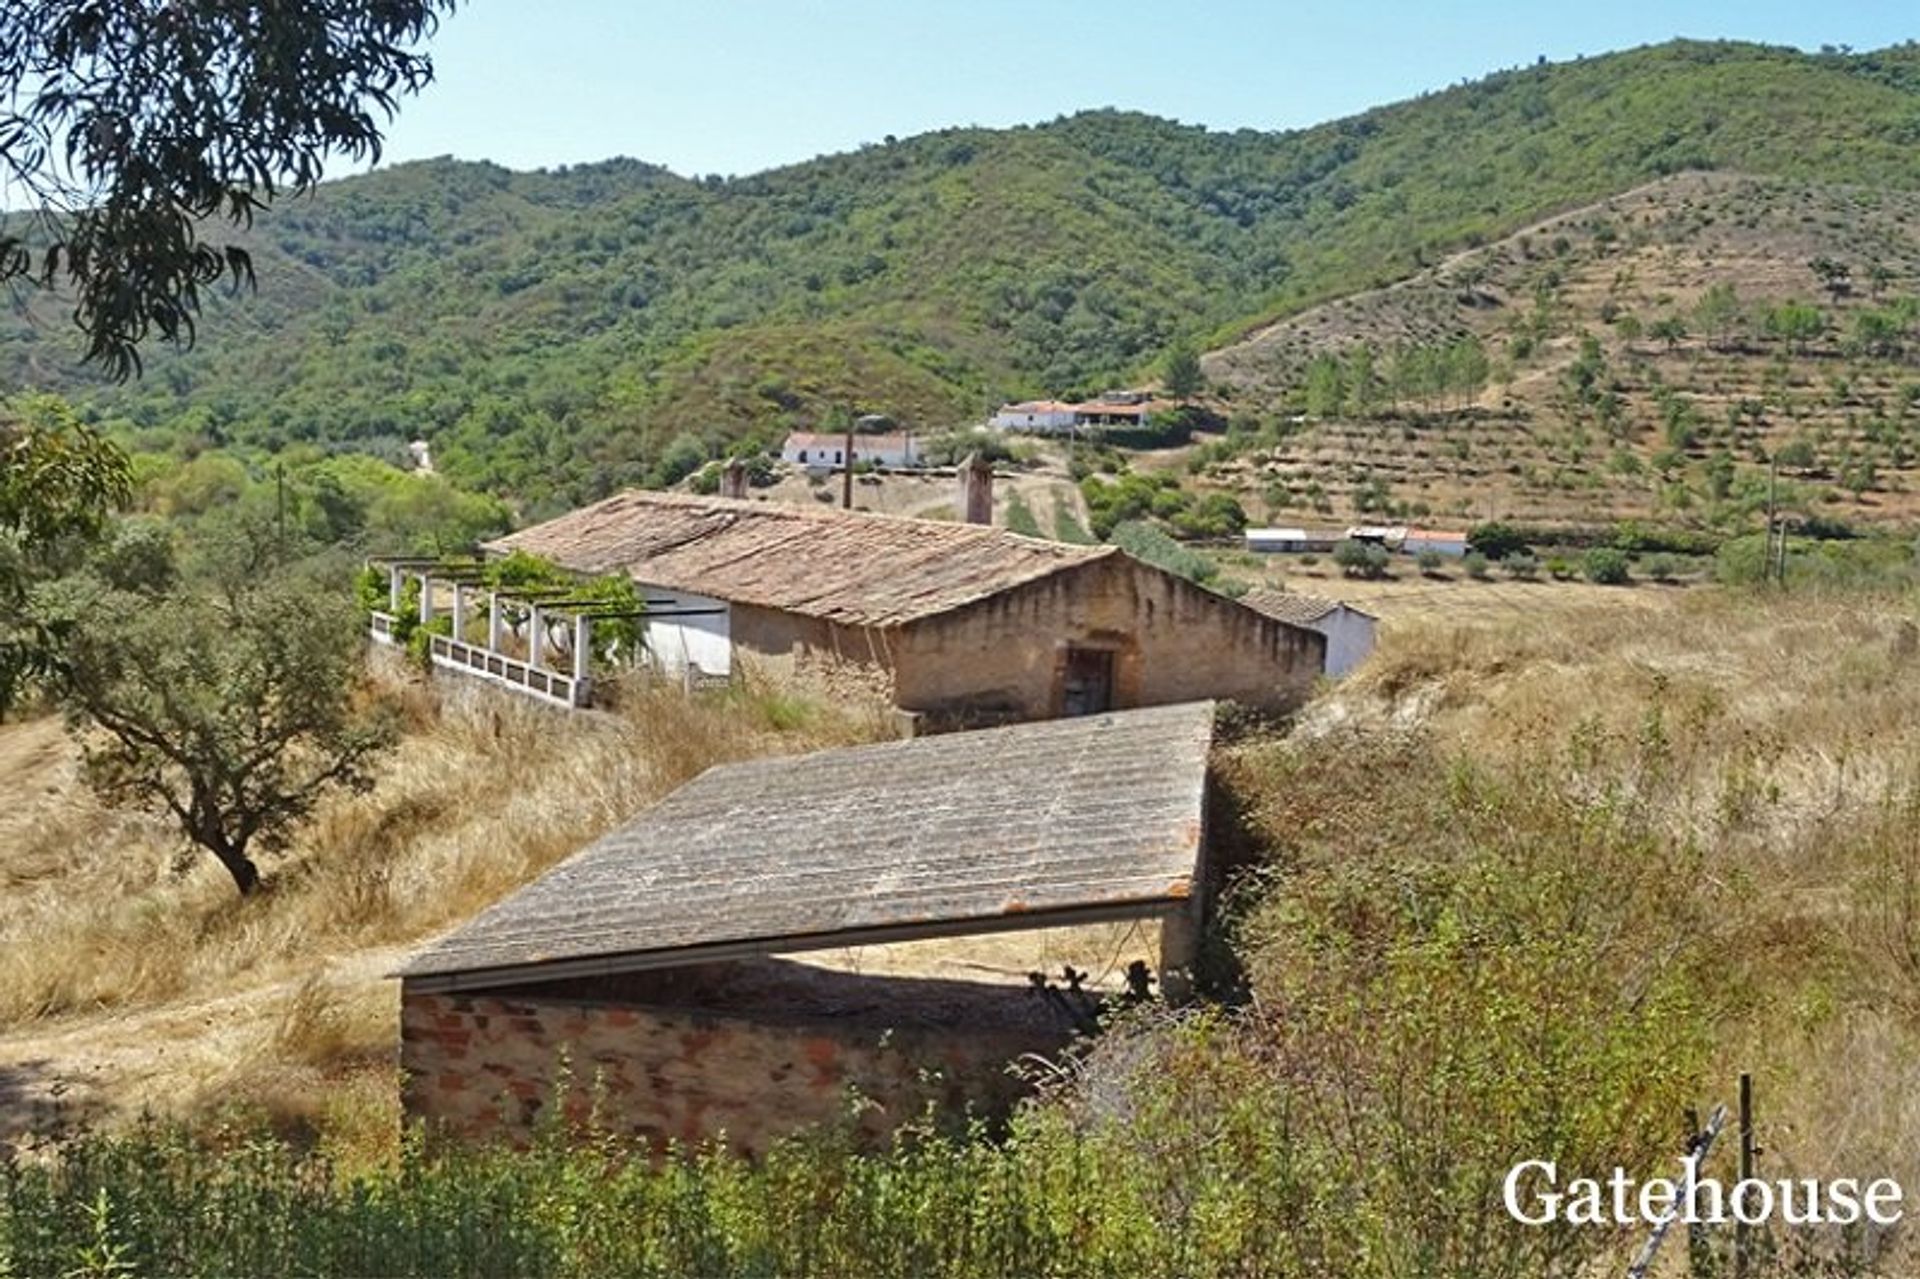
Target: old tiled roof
[[845, 566], [1028, 826], [1294, 610]]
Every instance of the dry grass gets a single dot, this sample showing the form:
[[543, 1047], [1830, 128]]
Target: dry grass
[[1772, 739], [126, 957]]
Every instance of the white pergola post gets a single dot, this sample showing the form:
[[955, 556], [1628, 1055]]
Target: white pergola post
[[459, 611], [536, 639], [426, 598], [582, 644], [494, 621], [396, 588]]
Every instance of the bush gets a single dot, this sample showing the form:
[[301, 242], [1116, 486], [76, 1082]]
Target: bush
[[1523, 567], [1605, 566], [1662, 567], [1497, 539], [1636, 538], [1430, 562], [1145, 542], [1559, 568], [1361, 559], [1477, 566]]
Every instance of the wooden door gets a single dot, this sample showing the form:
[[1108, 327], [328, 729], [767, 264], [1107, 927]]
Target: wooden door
[[1088, 688]]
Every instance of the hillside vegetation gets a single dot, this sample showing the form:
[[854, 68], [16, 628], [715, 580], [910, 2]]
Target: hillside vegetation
[[1645, 357], [557, 334]]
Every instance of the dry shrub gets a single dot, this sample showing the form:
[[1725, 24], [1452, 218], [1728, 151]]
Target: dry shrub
[[1759, 751], [102, 910]]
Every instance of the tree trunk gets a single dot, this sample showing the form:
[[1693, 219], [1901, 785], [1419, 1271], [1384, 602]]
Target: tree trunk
[[246, 876]]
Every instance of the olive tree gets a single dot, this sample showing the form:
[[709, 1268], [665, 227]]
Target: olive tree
[[127, 128], [1183, 378], [234, 708], [59, 485]]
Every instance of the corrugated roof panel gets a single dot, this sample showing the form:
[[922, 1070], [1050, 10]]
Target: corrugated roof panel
[[907, 838]]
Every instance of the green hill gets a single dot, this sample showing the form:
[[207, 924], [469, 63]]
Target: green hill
[[559, 334]]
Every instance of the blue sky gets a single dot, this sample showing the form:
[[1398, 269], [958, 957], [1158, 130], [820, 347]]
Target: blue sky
[[734, 86]]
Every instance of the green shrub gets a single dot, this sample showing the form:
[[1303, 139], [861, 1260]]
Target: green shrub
[[1496, 539], [1145, 542], [1361, 559], [1605, 566], [1522, 567], [1661, 567], [1430, 561], [1560, 568], [1477, 566]]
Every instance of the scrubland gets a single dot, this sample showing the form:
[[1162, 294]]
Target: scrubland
[[132, 976], [1523, 887]]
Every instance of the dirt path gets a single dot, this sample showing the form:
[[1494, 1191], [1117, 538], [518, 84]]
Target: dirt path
[[36, 764], [166, 1057]]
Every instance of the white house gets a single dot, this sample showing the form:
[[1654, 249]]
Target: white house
[[1044, 416], [1288, 539], [686, 634], [817, 452], [1388, 535], [1054, 417], [1349, 631], [1446, 542]]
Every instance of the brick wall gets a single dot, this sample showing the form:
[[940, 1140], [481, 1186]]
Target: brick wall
[[487, 1065]]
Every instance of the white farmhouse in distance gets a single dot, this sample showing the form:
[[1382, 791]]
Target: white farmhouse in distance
[[826, 451], [1268, 540], [1445, 541], [1056, 417], [1349, 631], [1045, 417]]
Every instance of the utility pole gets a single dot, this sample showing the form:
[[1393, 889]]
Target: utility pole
[[846, 485], [1773, 480]]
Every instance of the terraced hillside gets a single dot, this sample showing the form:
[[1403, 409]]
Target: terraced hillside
[[1650, 355], [558, 334]]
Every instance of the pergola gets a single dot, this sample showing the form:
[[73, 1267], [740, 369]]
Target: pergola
[[557, 624]]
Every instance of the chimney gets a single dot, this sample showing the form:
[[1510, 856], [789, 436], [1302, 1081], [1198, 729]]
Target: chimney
[[733, 478], [976, 490]]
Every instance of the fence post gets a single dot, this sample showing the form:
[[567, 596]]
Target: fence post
[[1696, 1233], [1742, 1242]]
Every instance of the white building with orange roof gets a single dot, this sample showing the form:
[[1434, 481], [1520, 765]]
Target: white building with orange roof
[[1044, 416]]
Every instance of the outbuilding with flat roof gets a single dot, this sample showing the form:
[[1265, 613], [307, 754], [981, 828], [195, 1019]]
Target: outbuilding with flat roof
[[672, 965]]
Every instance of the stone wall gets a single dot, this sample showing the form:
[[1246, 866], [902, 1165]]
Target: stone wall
[[837, 662], [691, 1062], [1172, 642]]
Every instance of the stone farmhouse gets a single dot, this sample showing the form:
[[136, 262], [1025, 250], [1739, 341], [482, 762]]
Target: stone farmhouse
[[707, 969], [949, 623]]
